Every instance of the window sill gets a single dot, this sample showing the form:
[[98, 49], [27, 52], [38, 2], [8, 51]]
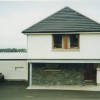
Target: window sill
[[61, 49]]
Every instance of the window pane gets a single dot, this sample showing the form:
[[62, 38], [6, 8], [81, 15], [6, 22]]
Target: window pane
[[52, 66], [74, 39], [57, 41]]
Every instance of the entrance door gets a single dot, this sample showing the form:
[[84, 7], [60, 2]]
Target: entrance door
[[90, 72]]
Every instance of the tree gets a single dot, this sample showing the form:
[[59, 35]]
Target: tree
[[13, 50]]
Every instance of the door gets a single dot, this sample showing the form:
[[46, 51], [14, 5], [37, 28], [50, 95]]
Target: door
[[90, 72]]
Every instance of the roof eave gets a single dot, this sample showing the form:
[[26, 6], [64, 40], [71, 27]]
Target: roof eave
[[60, 31]]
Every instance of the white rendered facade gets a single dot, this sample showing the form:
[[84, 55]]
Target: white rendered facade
[[40, 46], [14, 66]]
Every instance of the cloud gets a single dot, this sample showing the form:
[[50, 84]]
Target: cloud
[[17, 16]]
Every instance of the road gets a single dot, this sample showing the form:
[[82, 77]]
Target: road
[[18, 91]]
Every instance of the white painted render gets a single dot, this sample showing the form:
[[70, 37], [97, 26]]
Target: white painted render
[[13, 55], [40, 47], [98, 76], [14, 66], [14, 69]]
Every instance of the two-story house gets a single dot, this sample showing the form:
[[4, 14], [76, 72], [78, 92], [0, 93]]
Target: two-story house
[[64, 49]]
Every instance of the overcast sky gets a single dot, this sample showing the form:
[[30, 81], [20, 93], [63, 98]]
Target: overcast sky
[[16, 16]]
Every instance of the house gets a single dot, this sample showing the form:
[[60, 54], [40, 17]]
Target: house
[[64, 49], [13, 65]]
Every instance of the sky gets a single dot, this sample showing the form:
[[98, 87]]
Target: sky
[[16, 16]]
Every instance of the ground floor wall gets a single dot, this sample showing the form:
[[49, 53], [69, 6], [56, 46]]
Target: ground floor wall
[[14, 69], [58, 74]]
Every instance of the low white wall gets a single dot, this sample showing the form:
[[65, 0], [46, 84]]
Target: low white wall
[[98, 74], [14, 65], [14, 69], [13, 55]]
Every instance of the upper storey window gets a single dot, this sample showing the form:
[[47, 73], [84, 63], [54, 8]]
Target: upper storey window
[[66, 41], [57, 41]]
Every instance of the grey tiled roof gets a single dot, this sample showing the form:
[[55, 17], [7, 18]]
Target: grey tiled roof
[[65, 20]]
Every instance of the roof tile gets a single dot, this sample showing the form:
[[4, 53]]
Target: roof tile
[[65, 20]]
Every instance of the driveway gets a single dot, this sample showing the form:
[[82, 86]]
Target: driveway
[[18, 91]]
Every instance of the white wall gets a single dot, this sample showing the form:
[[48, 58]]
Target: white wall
[[98, 74], [13, 55], [40, 47], [14, 69]]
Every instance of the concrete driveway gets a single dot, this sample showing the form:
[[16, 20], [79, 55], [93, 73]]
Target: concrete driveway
[[18, 91]]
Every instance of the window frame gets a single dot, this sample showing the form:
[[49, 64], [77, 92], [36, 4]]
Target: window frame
[[63, 48]]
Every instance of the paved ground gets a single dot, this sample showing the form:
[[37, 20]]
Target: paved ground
[[18, 91], [68, 87]]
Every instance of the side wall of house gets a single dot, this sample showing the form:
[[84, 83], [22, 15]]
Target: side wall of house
[[41, 47], [14, 69]]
